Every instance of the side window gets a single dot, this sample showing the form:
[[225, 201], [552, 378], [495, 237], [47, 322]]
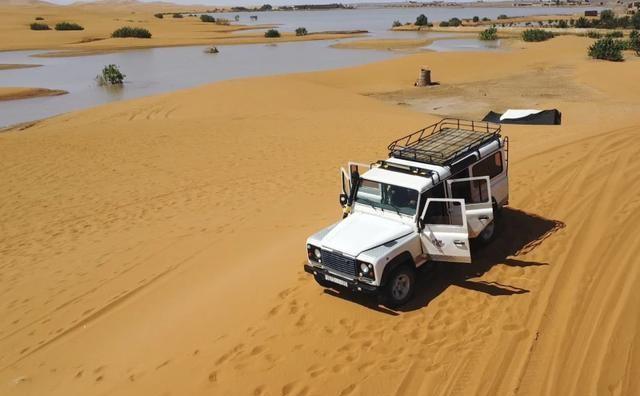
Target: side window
[[490, 166], [438, 213], [472, 191]]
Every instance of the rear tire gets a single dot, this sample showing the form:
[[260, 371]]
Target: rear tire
[[400, 286], [488, 234]]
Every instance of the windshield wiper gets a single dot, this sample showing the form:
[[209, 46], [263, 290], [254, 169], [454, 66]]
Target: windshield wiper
[[364, 200]]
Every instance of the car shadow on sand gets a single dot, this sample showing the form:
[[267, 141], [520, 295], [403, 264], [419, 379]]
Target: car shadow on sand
[[518, 233]]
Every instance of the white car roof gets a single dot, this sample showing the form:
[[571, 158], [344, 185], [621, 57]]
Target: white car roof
[[406, 180]]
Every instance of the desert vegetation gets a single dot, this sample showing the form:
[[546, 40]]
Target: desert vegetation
[[39, 26], [489, 34], [422, 20], [272, 33], [607, 49], [68, 26], [39, 19], [301, 31], [110, 75], [128, 31], [159, 15], [533, 35], [178, 15], [207, 18]]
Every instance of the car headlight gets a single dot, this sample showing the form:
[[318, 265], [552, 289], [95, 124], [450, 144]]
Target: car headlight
[[366, 270], [314, 253]]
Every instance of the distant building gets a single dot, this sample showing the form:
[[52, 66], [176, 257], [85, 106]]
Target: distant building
[[591, 13]]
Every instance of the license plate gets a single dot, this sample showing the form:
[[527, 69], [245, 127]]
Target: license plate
[[335, 280]]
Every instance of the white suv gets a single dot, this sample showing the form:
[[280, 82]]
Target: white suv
[[440, 187]]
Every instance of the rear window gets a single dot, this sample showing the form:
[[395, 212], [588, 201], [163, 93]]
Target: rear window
[[490, 166]]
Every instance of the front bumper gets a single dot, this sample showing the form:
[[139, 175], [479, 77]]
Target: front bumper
[[354, 285]]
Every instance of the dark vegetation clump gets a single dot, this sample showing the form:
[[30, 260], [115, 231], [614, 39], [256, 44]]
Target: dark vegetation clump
[[128, 31], [272, 33], [607, 49], [39, 26], [68, 26], [207, 18], [533, 35]]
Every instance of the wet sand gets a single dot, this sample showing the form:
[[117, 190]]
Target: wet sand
[[156, 245], [16, 93]]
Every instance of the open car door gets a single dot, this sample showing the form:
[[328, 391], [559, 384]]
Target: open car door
[[476, 193], [444, 233]]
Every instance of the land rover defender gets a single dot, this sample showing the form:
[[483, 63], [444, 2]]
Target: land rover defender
[[440, 187]]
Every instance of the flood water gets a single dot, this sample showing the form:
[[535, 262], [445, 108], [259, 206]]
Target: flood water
[[159, 70]]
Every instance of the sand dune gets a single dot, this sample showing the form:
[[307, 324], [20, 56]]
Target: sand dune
[[155, 245], [100, 20]]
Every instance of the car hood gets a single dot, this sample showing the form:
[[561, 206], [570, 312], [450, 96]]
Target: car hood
[[360, 232]]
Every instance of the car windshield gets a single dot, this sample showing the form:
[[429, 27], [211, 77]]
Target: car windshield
[[387, 197]]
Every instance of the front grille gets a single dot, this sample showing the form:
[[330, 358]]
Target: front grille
[[338, 262]]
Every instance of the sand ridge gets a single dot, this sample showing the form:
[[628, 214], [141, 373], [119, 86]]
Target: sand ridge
[[155, 245]]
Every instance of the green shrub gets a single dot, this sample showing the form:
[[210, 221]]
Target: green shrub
[[485, 19], [39, 19], [207, 18], [455, 22], [476, 19], [582, 23], [422, 20], [396, 23], [489, 34], [128, 31], [562, 24], [39, 26], [178, 15], [634, 41], [593, 34], [301, 31], [635, 20], [110, 75], [503, 16], [607, 49], [68, 26], [272, 33], [615, 34], [444, 24], [159, 15], [536, 35]]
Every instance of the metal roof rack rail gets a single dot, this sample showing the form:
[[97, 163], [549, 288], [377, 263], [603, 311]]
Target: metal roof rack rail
[[444, 142]]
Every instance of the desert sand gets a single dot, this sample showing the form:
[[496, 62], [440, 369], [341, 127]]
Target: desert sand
[[14, 93], [102, 18], [155, 246]]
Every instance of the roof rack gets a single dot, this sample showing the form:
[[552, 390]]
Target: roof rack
[[444, 142]]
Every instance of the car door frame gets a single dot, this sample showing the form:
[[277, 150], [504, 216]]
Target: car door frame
[[445, 242], [479, 214]]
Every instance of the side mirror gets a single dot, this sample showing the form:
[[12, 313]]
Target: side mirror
[[420, 224], [343, 200]]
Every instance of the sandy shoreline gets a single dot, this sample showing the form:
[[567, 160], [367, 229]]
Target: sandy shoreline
[[155, 245], [99, 21], [17, 93]]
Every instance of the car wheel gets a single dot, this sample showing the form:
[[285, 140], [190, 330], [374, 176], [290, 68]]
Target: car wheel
[[488, 234], [400, 286]]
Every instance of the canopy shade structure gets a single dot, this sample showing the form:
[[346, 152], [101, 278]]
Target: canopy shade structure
[[527, 117]]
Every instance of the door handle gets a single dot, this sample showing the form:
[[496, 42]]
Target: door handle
[[459, 243]]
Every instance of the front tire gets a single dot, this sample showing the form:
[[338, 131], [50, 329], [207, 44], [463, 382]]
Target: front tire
[[400, 286]]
